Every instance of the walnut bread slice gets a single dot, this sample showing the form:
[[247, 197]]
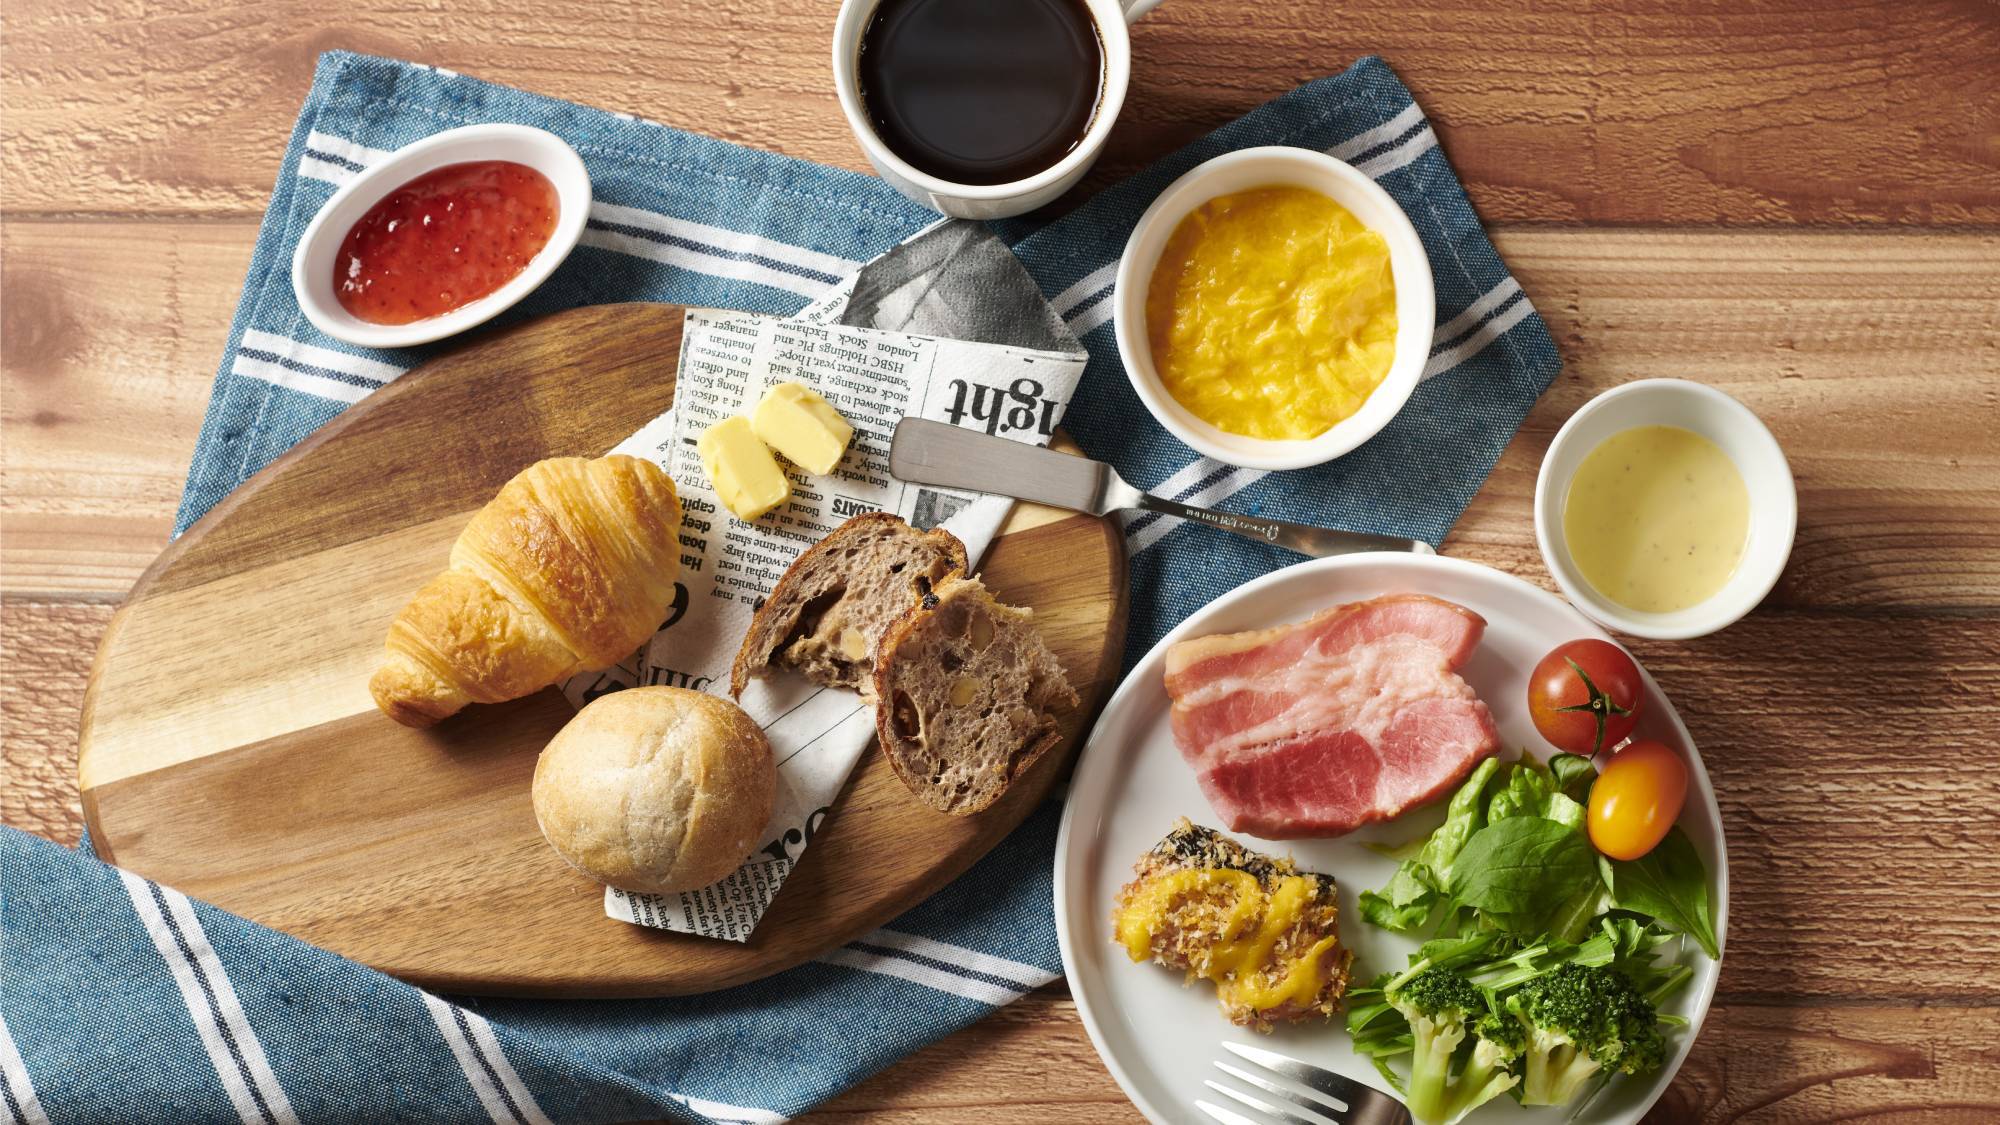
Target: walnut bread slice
[[826, 616], [966, 693]]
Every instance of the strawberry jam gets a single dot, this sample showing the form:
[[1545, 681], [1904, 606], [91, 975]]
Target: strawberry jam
[[444, 240]]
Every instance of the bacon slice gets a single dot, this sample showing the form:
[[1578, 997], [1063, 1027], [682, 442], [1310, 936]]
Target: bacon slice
[[1354, 715]]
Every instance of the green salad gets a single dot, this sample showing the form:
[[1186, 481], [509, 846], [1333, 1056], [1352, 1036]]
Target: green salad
[[1545, 963]]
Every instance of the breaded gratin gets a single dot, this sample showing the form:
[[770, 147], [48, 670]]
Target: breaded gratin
[[1263, 931]]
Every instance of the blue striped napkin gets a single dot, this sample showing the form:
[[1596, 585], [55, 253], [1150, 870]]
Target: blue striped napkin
[[122, 1000]]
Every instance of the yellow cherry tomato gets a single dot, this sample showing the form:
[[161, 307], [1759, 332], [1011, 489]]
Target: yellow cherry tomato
[[1636, 799]]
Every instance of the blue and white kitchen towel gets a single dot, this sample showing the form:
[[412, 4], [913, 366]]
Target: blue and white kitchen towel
[[122, 1001]]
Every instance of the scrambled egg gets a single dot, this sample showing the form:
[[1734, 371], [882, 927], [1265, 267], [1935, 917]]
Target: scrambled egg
[[1272, 313]]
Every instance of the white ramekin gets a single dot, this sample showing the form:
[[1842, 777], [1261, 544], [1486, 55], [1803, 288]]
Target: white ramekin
[[1774, 505], [1416, 302], [313, 262]]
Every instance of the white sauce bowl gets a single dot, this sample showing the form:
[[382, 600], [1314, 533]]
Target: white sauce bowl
[[313, 262], [1277, 166], [1767, 477]]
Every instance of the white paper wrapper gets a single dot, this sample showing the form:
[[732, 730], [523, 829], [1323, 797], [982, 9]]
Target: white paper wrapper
[[875, 378]]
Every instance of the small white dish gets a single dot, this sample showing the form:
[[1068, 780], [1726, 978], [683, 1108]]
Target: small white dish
[[1416, 301], [1774, 504], [313, 262], [1158, 1035]]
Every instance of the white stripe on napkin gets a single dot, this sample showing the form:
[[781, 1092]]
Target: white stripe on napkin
[[728, 242], [353, 152], [1474, 344], [336, 159], [488, 1045], [945, 977], [730, 1114], [484, 1086], [1093, 316], [233, 1048], [313, 355], [313, 168], [1380, 135], [983, 991], [1376, 167], [20, 1091], [1021, 973], [713, 250], [1093, 283], [1474, 313], [1191, 474], [309, 368], [304, 382]]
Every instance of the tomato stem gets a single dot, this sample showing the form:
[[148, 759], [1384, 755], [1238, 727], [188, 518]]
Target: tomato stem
[[1600, 705]]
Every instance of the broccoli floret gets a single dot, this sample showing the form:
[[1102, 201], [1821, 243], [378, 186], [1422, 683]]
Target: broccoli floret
[[1489, 1072], [1442, 1008], [1577, 1021]]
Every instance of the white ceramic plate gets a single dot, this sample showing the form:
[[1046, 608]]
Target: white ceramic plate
[[1160, 1039]]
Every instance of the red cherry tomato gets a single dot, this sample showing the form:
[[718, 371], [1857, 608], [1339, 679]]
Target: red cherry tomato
[[1636, 799], [1584, 696]]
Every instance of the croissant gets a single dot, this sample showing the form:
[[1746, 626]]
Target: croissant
[[569, 569]]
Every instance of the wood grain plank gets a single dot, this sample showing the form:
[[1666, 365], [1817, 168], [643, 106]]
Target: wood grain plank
[[45, 654], [1702, 112], [1875, 358], [109, 338]]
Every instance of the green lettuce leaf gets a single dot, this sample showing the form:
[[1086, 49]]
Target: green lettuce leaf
[[1671, 884], [1520, 871]]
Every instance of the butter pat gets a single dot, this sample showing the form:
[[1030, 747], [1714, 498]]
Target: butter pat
[[744, 473], [804, 427]]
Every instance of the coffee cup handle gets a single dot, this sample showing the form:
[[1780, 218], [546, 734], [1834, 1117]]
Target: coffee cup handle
[[1137, 8]]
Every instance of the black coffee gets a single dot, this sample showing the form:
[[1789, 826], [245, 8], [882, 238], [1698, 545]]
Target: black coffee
[[981, 91]]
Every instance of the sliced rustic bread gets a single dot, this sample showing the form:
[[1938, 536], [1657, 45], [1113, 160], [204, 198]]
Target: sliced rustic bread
[[966, 692], [826, 616]]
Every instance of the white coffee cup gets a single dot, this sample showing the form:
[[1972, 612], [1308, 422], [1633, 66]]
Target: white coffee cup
[[988, 201]]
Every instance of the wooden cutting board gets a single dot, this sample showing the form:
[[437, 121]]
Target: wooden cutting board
[[229, 746]]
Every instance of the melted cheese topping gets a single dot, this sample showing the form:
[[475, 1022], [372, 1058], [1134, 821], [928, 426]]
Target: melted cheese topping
[[1239, 953], [1272, 313]]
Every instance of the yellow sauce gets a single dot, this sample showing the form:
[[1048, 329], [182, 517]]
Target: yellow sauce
[[1656, 518], [1239, 961], [1272, 313]]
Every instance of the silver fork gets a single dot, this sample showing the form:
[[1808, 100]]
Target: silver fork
[[1346, 1102]]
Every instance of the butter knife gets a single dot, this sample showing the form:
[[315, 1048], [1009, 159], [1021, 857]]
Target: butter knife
[[927, 452]]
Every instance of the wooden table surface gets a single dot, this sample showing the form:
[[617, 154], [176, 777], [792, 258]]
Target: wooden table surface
[[1797, 202]]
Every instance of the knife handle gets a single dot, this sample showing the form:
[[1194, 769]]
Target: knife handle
[[1318, 542]]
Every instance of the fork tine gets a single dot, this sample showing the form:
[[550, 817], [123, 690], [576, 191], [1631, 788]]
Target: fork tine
[[1346, 1089], [1331, 1107], [1226, 1116], [1285, 1116]]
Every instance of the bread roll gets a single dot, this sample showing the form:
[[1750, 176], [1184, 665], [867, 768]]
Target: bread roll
[[656, 789]]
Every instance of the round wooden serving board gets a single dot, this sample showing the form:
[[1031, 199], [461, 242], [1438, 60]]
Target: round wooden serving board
[[230, 748]]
